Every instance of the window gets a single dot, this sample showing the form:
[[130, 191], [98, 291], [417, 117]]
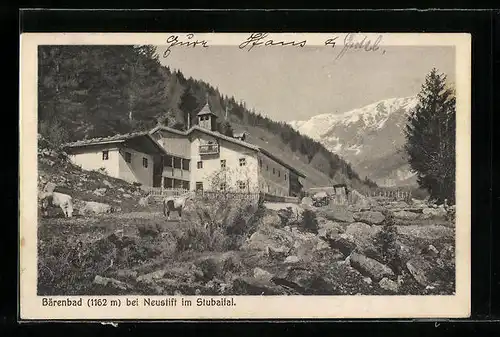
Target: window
[[242, 185], [185, 164], [168, 183], [105, 155], [223, 186], [200, 164], [279, 173], [168, 161], [267, 167], [223, 163], [274, 171], [185, 185], [177, 162], [243, 161], [199, 186], [260, 162], [177, 183], [145, 162], [285, 176], [128, 157]]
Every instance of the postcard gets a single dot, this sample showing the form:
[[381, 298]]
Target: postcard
[[187, 176]]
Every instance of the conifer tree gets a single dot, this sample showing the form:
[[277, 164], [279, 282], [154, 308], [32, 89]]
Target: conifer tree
[[430, 135]]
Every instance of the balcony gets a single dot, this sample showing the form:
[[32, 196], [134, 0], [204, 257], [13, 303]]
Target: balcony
[[209, 149]]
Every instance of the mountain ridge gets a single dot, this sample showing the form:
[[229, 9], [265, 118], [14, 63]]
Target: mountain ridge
[[371, 138]]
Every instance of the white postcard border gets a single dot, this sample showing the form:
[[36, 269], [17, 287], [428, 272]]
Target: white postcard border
[[247, 307]]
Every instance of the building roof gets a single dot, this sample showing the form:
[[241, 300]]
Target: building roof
[[259, 147], [206, 111], [116, 139]]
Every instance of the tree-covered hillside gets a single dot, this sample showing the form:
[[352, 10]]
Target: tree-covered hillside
[[92, 91]]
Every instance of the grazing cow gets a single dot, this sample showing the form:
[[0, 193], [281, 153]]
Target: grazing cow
[[175, 203], [56, 199]]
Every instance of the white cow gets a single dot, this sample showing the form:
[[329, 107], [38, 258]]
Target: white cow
[[56, 199]]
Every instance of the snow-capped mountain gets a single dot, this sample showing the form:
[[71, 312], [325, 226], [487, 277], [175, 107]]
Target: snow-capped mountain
[[371, 138]]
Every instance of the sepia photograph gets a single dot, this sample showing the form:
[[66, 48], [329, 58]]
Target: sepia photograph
[[198, 170]]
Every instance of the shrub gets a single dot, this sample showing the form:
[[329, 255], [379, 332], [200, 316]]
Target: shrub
[[218, 222], [309, 222], [385, 241]]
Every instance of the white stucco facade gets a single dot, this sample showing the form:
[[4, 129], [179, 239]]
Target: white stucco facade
[[92, 159], [234, 165], [114, 164]]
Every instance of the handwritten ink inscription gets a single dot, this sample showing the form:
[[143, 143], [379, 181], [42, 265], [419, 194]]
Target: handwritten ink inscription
[[260, 39], [351, 42], [173, 41], [359, 42]]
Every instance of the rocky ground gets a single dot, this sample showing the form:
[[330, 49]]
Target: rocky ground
[[118, 244], [328, 250]]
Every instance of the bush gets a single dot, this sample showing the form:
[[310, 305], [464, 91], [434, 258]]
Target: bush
[[217, 224], [385, 241], [309, 222]]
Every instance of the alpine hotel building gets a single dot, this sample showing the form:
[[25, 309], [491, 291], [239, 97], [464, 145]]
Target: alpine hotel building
[[199, 158]]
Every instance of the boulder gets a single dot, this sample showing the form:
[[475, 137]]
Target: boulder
[[405, 215], [156, 275], [369, 217], [304, 251], [126, 274], [292, 259], [337, 213], [370, 267], [270, 218], [435, 212], [262, 275], [100, 191], [389, 285], [251, 286], [126, 195], [359, 200], [321, 245], [432, 251], [110, 282], [306, 281], [277, 253], [399, 204], [418, 202], [422, 271], [218, 265], [329, 229], [343, 245], [319, 196], [363, 236], [307, 201], [92, 207], [107, 183]]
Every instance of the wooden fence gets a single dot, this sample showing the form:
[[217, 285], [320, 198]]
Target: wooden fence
[[164, 192], [228, 195], [158, 192], [395, 195]]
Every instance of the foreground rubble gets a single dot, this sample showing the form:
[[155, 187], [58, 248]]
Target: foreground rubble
[[254, 250]]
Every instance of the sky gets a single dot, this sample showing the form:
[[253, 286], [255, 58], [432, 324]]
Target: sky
[[289, 83]]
